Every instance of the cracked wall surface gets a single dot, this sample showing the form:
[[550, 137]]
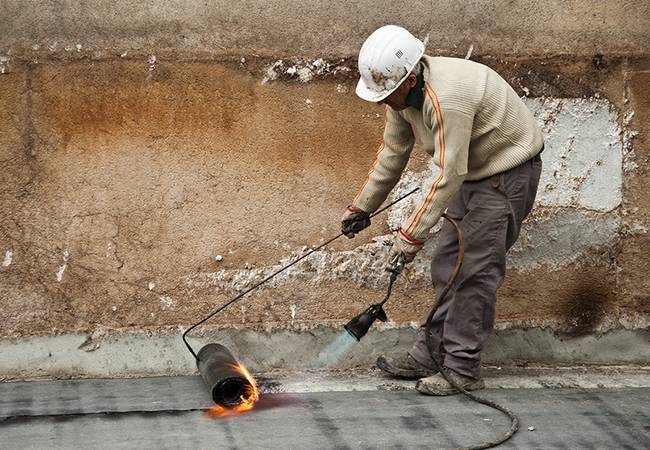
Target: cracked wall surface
[[140, 197], [145, 182]]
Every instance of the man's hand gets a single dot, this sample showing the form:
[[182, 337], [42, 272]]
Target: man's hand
[[353, 221], [402, 252], [396, 263]]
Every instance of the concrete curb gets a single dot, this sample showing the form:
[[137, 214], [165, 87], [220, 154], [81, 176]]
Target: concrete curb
[[132, 354]]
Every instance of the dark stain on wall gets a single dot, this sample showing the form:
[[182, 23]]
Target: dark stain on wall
[[585, 304]]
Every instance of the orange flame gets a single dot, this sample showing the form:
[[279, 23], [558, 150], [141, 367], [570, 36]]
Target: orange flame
[[251, 395]]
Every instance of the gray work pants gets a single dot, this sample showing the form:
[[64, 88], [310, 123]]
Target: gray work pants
[[490, 213]]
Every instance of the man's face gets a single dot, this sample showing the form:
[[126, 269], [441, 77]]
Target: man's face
[[397, 99]]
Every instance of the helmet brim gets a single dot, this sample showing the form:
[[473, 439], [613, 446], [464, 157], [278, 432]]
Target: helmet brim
[[370, 95]]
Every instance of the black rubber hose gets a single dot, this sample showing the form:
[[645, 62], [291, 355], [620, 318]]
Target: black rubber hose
[[514, 420]]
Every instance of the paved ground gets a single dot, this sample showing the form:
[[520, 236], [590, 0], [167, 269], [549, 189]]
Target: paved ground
[[170, 413]]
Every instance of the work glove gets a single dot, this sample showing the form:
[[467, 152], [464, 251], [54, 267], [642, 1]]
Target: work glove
[[402, 252], [353, 221]]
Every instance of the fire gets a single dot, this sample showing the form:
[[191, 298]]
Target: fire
[[251, 395]]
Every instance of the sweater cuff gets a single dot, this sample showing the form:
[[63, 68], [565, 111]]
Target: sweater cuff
[[355, 209], [409, 239]]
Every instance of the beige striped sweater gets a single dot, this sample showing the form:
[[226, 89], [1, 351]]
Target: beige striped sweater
[[472, 123]]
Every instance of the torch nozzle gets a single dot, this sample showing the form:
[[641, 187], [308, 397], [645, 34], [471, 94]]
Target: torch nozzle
[[359, 326]]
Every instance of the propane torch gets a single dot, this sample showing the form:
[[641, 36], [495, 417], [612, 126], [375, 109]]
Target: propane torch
[[228, 380]]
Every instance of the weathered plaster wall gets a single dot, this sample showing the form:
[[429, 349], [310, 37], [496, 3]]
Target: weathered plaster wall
[[146, 179], [140, 194], [312, 28]]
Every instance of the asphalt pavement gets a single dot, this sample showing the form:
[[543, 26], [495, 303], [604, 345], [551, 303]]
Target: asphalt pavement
[[170, 412]]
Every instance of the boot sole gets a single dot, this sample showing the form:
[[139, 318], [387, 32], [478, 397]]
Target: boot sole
[[476, 386], [409, 374]]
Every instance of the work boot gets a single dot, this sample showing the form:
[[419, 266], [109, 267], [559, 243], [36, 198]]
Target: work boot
[[437, 385], [404, 367]]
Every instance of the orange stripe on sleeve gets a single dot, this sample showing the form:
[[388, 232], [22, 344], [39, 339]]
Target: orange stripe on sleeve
[[441, 142]]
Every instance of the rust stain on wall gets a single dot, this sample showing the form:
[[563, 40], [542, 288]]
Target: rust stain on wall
[[109, 98]]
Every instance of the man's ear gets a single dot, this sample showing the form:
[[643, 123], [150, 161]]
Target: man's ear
[[412, 80]]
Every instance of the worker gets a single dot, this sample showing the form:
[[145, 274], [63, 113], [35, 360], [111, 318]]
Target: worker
[[487, 145]]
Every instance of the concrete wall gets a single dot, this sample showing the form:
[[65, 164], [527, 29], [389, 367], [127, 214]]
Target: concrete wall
[[156, 160], [336, 28]]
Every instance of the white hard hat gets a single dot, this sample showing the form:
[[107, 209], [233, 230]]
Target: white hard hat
[[385, 60]]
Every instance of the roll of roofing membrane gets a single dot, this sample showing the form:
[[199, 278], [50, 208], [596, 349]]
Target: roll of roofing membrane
[[220, 371]]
